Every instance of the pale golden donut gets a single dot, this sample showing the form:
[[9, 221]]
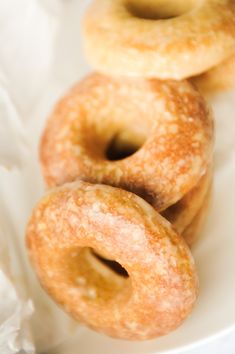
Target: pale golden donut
[[220, 78], [162, 285], [173, 39], [167, 122], [193, 231], [185, 210]]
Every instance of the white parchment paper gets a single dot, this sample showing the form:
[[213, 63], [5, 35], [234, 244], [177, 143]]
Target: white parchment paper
[[29, 32]]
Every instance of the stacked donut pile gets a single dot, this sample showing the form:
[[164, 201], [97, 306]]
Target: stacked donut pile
[[128, 152]]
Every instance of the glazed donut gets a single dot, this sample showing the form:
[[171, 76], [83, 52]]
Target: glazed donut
[[75, 220], [220, 78], [166, 126], [185, 210], [193, 231], [158, 38]]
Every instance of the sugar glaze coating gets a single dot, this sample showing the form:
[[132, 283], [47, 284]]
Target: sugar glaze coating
[[162, 286], [166, 39], [169, 123]]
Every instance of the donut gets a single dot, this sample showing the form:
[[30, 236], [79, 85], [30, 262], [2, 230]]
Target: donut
[[183, 212], [193, 231], [158, 39], [77, 219], [164, 128], [220, 78]]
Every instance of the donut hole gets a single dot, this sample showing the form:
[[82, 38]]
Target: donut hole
[[158, 10], [115, 151], [123, 146], [113, 265], [97, 279]]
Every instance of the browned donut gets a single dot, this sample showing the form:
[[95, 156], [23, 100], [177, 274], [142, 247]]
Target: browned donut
[[168, 123], [185, 210], [79, 217], [220, 78], [192, 232], [154, 38]]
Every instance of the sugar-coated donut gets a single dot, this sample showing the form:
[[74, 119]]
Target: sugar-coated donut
[[193, 231], [78, 218], [220, 78], [158, 38], [185, 210], [168, 123]]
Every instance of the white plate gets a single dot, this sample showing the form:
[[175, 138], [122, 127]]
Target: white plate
[[214, 314]]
